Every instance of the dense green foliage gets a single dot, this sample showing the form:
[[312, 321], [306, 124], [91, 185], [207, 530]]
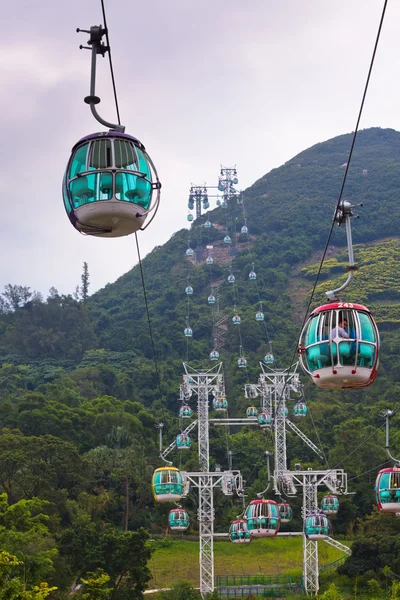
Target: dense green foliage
[[80, 396]]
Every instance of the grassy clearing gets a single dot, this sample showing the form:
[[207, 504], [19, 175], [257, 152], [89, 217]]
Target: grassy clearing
[[180, 560]]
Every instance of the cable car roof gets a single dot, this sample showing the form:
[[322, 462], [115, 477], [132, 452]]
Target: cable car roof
[[339, 306], [109, 134]]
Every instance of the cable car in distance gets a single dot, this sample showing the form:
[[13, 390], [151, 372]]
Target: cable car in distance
[[330, 505], [178, 519], [300, 409], [285, 512], [387, 491], [220, 404], [264, 419], [214, 355], [251, 412], [316, 526], [339, 346], [167, 484], [262, 518], [183, 441], [185, 412], [238, 532]]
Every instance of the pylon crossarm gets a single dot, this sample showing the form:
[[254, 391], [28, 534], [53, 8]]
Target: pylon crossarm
[[338, 545], [305, 439], [172, 445]]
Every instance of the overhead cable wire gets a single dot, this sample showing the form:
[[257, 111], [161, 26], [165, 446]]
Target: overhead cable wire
[[148, 318], [136, 237], [110, 62], [370, 470]]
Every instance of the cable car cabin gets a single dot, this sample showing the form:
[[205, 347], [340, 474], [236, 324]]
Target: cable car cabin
[[218, 202], [209, 260], [238, 533], [269, 358], [189, 290], [262, 518], [244, 229], [167, 484], [207, 224], [108, 185], [251, 412], [339, 346], [211, 299], [189, 252], [214, 355], [285, 512], [227, 240], [283, 412], [265, 419], [300, 409], [330, 505], [242, 362], [224, 204], [236, 320], [183, 441], [387, 490], [185, 412], [178, 519], [316, 527], [231, 278], [259, 316], [220, 404], [252, 275], [190, 217], [188, 332], [206, 205]]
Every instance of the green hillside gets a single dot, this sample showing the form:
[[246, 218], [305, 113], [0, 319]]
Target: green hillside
[[79, 395]]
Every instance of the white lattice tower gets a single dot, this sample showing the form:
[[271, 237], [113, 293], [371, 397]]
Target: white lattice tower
[[310, 547], [206, 532], [203, 384], [279, 384]]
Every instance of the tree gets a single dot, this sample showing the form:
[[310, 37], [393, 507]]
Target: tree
[[85, 283], [24, 534], [122, 554]]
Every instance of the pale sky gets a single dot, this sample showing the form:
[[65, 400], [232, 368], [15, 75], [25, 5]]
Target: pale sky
[[201, 84]]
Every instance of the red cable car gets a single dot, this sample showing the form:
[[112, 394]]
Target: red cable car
[[387, 491], [339, 346]]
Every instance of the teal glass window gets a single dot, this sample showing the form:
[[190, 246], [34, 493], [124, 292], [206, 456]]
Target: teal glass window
[[132, 188], [78, 163], [367, 329], [91, 188]]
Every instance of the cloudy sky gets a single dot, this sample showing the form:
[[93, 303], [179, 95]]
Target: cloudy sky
[[199, 83]]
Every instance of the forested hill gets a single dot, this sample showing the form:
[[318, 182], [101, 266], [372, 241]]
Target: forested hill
[[79, 394]]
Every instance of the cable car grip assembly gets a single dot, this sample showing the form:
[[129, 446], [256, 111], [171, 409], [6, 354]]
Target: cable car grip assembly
[[96, 45]]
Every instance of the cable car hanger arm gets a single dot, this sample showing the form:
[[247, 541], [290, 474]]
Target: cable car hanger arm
[[96, 33], [343, 215], [388, 414]]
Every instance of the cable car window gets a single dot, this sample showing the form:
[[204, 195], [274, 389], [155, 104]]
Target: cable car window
[[100, 155], [144, 166], [385, 481], [395, 479], [367, 329], [78, 163], [131, 188], [311, 336], [125, 156]]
